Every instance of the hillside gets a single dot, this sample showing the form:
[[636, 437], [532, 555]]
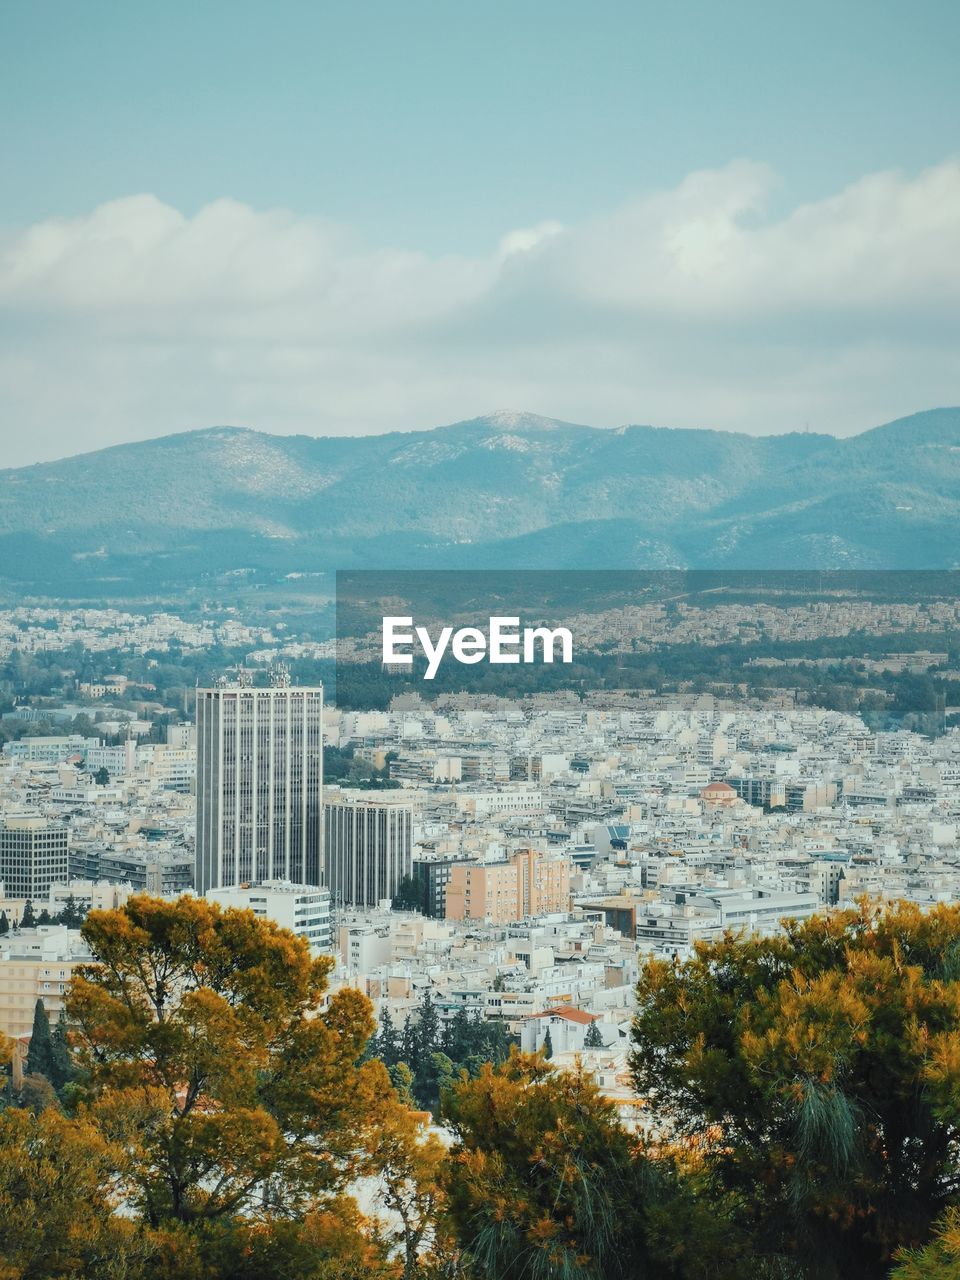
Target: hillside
[[509, 490]]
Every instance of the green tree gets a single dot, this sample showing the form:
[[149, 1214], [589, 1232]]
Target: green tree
[[71, 915], [593, 1039], [547, 1047], [387, 1042], [62, 1071], [40, 1053], [409, 1050], [427, 1042], [819, 1073], [4, 924], [102, 776], [402, 1079], [543, 1181], [28, 920], [409, 895]]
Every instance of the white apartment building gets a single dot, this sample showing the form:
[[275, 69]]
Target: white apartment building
[[304, 909]]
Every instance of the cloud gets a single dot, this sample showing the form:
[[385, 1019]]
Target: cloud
[[692, 306]]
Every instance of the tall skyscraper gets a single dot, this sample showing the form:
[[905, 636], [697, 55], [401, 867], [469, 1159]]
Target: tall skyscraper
[[33, 855], [368, 843], [259, 784]]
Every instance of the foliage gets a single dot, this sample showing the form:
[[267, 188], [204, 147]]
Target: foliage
[[940, 1259], [196, 1027], [436, 1053], [543, 1181], [40, 1052], [342, 765], [593, 1039], [36, 1093], [72, 915], [408, 1162], [819, 1072], [61, 1062], [57, 1200], [411, 895]]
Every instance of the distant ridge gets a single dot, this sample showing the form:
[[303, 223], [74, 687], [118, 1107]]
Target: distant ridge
[[506, 490]]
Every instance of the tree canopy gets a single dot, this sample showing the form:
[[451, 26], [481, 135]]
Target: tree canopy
[[819, 1073], [200, 1034]]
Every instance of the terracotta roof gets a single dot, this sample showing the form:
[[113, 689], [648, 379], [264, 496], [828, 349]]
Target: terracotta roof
[[568, 1012]]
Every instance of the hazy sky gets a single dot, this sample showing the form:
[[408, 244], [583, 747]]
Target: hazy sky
[[343, 217]]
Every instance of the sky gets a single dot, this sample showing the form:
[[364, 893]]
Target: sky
[[337, 218]]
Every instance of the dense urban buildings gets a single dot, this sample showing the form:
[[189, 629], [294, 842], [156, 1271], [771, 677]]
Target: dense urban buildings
[[259, 783], [516, 858]]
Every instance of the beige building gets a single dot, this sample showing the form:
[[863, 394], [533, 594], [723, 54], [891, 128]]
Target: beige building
[[36, 964], [90, 895], [528, 883]]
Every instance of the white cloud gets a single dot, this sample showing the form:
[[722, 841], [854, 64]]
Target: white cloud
[[690, 306]]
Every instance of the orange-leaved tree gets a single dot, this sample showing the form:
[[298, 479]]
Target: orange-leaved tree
[[58, 1200], [214, 1060]]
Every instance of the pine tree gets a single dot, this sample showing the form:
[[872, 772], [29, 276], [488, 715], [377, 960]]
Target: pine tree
[[408, 1044], [497, 1041], [593, 1039], [71, 915], [4, 924], [40, 1054], [548, 1045], [44, 917], [577, 1209], [387, 1042], [60, 1055], [28, 920], [428, 1029], [459, 1037], [426, 1089], [409, 896]]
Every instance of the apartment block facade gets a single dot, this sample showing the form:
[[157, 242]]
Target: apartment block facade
[[528, 883]]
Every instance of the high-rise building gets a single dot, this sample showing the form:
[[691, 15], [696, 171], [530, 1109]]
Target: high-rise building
[[368, 844], [259, 784], [33, 855]]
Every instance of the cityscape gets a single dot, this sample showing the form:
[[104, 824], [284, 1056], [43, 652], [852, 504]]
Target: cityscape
[[492, 875], [479, 641]]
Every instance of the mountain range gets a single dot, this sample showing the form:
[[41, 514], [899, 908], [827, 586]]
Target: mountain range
[[510, 490]]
